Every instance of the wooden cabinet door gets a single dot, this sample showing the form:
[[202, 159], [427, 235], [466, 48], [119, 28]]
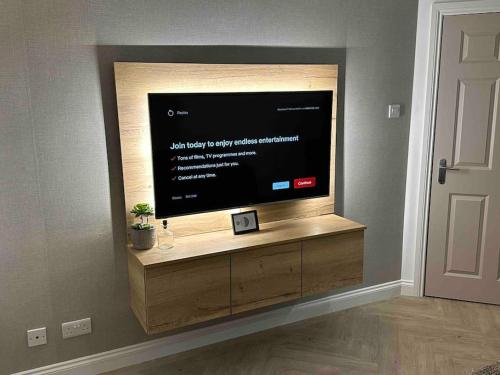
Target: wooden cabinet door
[[187, 292], [265, 276], [332, 262]]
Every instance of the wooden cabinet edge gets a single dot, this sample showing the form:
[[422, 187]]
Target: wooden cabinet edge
[[176, 326], [239, 309], [243, 249], [136, 276]]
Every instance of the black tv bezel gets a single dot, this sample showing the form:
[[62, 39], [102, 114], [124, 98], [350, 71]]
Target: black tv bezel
[[250, 204]]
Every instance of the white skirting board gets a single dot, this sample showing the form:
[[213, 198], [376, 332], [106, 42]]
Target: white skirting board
[[147, 351], [408, 288]]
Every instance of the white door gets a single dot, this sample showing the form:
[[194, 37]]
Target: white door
[[464, 224]]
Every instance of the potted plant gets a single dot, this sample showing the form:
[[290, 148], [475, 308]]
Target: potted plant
[[143, 234]]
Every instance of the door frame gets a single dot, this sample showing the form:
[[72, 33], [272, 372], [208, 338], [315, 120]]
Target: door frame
[[422, 125]]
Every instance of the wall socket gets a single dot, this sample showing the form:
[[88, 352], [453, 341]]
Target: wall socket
[[37, 336], [76, 328]]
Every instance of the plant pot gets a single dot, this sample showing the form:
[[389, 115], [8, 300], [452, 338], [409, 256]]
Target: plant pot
[[143, 239]]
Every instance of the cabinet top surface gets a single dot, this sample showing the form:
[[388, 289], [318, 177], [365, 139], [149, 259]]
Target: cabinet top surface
[[224, 242]]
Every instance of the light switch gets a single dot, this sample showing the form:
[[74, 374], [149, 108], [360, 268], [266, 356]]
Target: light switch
[[394, 110]]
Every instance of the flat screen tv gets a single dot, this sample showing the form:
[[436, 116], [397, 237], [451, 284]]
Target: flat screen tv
[[214, 151]]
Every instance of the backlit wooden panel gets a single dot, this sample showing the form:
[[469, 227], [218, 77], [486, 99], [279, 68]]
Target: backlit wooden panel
[[135, 80], [465, 234]]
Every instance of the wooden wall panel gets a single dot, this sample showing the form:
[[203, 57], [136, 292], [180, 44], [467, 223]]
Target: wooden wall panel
[[135, 80]]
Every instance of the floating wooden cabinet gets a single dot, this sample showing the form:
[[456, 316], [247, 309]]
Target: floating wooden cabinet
[[332, 262], [265, 276], [212, 275]]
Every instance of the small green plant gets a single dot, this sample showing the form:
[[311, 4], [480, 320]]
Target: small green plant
[[144, 211]]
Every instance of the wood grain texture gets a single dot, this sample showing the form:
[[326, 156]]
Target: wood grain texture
[[402, 336], [211, 275], [224, 242], [137, 290], [265, 276], [135, 80], [332, 262], [187, 293]]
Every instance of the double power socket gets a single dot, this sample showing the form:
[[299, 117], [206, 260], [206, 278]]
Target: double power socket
[[38, 336]]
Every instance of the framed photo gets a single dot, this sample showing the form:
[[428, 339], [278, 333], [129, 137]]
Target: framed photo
[[245, 222]]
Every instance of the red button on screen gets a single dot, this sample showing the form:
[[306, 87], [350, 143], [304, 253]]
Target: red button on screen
[[307, 182]]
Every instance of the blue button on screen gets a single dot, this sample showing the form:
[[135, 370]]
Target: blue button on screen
[[281, 185]]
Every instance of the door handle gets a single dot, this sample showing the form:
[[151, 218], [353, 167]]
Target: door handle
[[442, 171]]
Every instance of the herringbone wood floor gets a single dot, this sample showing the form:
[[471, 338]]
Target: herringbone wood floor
[[405, 335]]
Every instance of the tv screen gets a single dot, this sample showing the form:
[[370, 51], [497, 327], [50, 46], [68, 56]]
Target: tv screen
[[214, 151]]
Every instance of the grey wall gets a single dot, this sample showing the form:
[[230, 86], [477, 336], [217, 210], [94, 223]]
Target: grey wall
[[61, 215]]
